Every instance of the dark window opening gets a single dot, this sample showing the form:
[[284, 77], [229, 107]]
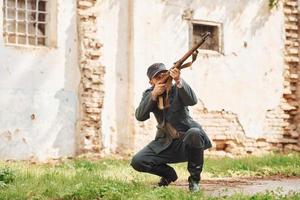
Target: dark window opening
[[213, 42]]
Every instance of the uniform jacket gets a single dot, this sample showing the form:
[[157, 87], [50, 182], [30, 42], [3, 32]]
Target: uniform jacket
[[177, 115]]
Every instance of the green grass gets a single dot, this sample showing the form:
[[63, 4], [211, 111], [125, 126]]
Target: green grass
[[115, 179], [268, 165]]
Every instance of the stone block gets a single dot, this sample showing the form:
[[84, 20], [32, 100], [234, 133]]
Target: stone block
[[94, 117], [98, 70], [93, 110], [291, 3], [85, 4], [93, 53], [291, 35], [291, 26], [291, 18], [91, 105], [287, 107], [293, 51], [294, 135]]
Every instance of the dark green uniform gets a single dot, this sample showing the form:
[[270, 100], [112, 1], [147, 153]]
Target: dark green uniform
[[190, 144]]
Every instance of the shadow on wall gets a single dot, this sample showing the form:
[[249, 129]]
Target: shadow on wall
[[65, 141], [43, 135], [64, 124]]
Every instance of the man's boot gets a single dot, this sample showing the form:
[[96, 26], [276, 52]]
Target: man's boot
[[166, 173], [195, 164]]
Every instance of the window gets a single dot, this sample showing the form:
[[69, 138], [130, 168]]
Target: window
[[198, 28], [27, 22]]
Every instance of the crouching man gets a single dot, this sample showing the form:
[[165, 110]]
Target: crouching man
[[178, 138]]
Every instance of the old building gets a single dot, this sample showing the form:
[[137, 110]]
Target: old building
[[72, 73]]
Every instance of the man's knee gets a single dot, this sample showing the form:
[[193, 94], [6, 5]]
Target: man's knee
[[138, 163], [194, 138]]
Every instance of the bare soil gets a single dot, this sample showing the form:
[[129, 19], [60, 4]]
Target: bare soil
[[229, 186]]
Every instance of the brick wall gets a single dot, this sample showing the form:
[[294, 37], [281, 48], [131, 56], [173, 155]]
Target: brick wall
[[91, 84], [291, 96]]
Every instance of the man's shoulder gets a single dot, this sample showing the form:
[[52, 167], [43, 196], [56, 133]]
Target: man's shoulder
[[148, 90]]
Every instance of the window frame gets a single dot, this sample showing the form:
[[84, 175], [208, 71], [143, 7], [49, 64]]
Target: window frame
[[50, 25], [219, 26]]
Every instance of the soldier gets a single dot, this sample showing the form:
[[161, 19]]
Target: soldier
[[178, 138]]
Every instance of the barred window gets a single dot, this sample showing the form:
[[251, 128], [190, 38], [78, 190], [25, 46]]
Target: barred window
[[26, 22]]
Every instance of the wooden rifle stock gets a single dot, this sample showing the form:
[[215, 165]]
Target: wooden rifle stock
[[167, 79]]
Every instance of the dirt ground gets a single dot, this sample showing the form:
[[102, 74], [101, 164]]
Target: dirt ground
[[229, 186]]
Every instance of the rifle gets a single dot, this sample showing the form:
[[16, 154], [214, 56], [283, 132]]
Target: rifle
[[167, 79]]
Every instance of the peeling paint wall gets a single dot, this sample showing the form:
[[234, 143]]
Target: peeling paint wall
[[38, 89], [245, 80], [248, 94], [241, 90]]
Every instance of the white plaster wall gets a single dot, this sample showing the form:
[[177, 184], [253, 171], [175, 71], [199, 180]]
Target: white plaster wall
[[38, 89], [114, 32], [247, 81], [244, 80], [108, 33]]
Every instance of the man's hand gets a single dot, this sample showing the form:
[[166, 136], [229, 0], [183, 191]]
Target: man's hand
[[175, 74], [158, 90]]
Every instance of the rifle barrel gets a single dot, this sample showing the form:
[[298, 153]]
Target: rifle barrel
[[190, 52], [185, 56]]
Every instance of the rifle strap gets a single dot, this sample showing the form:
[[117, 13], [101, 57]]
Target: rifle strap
[[194, 57]]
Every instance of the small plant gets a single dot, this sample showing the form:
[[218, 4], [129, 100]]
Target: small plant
[[273, 3], [84, 164], [6, 176]]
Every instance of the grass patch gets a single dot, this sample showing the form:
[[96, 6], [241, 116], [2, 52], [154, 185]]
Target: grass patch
[[115, 179], [267, 165]]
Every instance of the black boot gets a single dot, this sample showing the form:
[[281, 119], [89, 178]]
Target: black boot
[[166, 173], [195, 164], [163, 182]]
